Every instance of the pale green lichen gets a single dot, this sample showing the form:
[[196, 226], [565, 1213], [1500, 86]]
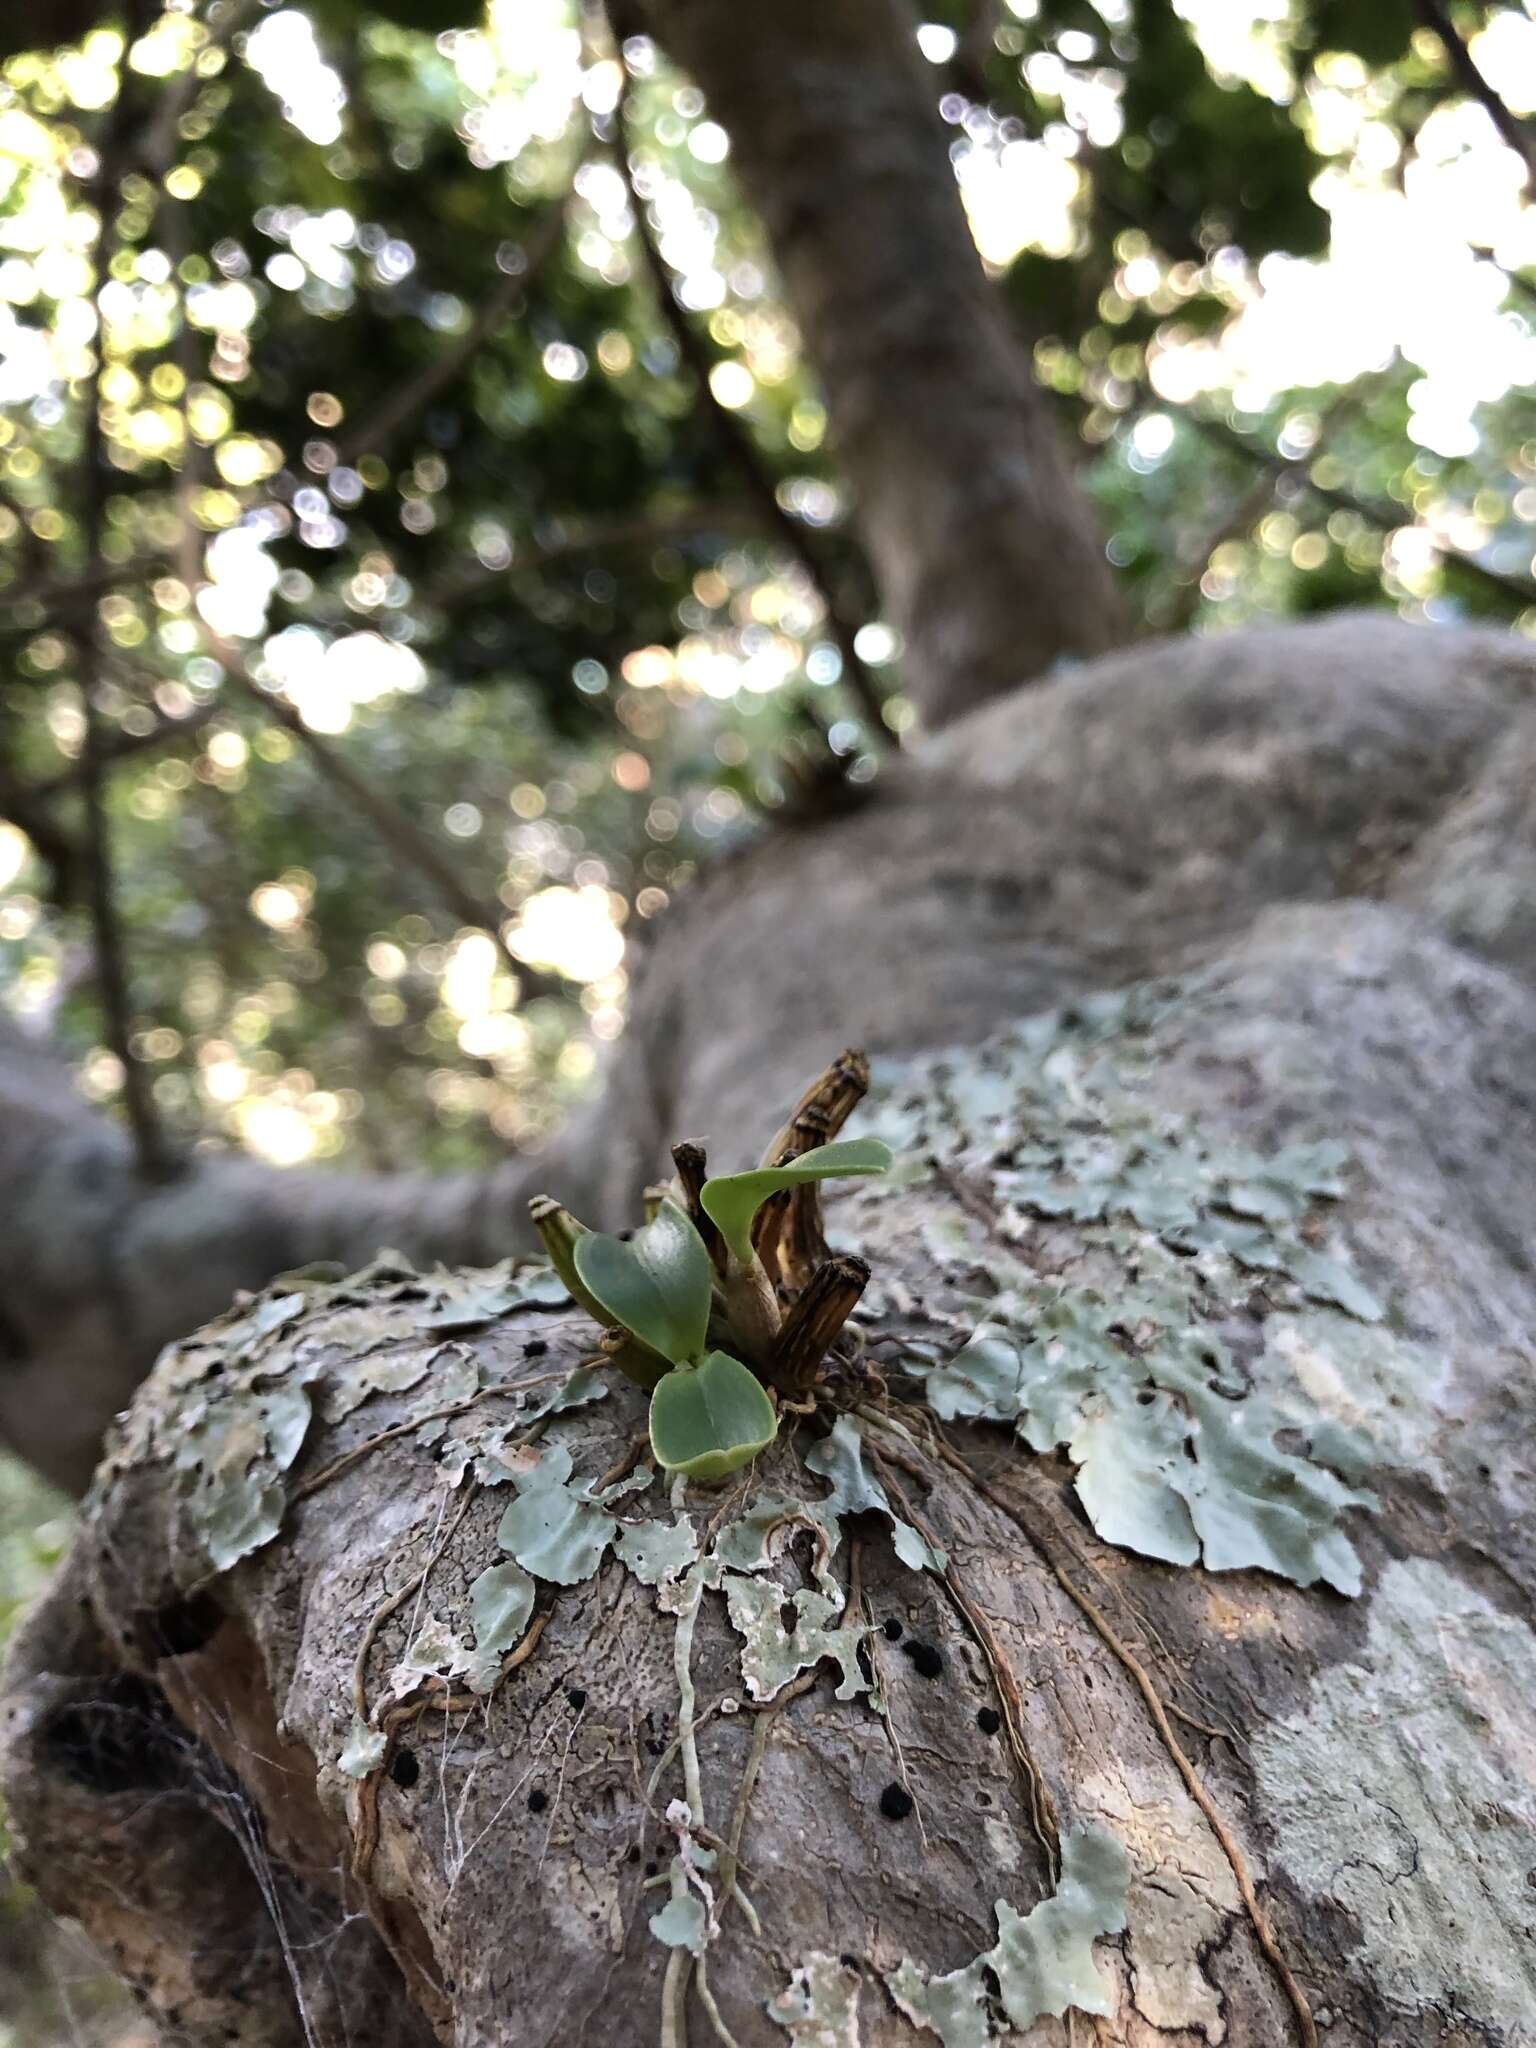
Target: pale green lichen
[[500, 1602], [435, 1651], [682, 1923], [1042, 1961], [364, 1750], [1176, 1455], [1400, 1793], [468, 1300], [554, 1528], [234, 1441], [233, 1404], [772, 1655], [490, 1449], [1120, 1354], [657, 1552], [839, 1458]]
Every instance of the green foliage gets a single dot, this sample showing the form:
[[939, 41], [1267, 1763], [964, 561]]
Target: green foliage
[[711, 1418], [657, 1283], [1376, 30], [709, 1414], [733, 1200]]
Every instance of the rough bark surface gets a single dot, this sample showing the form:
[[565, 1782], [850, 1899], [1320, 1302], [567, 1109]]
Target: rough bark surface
[[1303, 830], [987, 553]]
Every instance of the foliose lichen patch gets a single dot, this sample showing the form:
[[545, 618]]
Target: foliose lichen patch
[[1140, 1268], [230, 1409], [1042, 1962]]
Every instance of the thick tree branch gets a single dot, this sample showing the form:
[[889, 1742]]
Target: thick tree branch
[[985, 549], [99, 1268]]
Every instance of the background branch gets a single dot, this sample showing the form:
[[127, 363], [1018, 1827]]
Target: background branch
[[155, 1159], [413, 397], [1514, 132], [739, 449], [398, 831], [1387, 518]]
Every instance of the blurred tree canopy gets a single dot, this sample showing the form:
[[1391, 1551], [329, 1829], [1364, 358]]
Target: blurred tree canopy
[[427, 592]]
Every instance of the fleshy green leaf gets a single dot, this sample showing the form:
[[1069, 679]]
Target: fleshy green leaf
[[707, 1419], [732, 1201], [657, 1283]]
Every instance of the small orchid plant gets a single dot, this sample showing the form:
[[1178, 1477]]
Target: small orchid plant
[[728, 1297]]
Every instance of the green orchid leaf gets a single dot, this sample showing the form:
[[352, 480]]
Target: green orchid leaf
[[732, 1201], [707, 1419], [656, 1283]]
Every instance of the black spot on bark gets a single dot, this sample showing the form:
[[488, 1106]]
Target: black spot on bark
[[927, 1661], [576, 1697], [989, 1720], [182, 1627], [537, 1800], [893, 1630], [895, 1802], [405, 1768], [535, 1347]]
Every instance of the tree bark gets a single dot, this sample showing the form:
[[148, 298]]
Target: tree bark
[[1349, 1853], [987, 553]]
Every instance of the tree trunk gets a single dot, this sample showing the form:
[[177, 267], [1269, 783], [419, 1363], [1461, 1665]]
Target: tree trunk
[[988, 555], [1248, 1749]]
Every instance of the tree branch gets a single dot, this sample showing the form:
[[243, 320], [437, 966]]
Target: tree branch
[[1184, 601], [1518, 590], [26, 810], [117, 747], [986, 550], [591, 537], [155, 1158], [412, 397], [158, 145], [398, 831], [1514, 132]]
